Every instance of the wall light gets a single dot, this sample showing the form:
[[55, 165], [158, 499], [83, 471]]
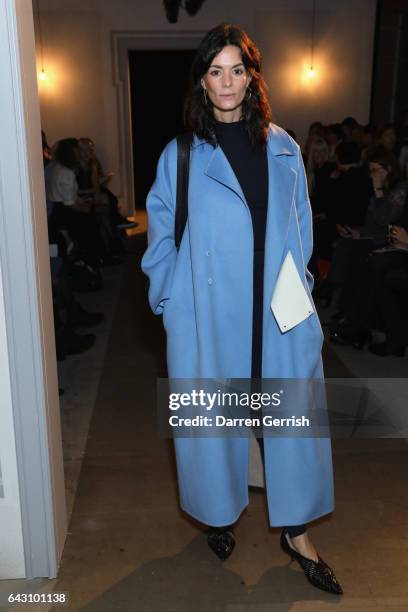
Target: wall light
[[311, 73]]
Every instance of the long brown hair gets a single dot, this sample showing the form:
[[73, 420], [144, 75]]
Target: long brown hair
[[198, 116]]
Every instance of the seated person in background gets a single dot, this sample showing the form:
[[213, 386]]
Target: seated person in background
[[393, 303], [318, 171], [342, 198], [91, 173], [350, 187], [347, 126], [369, 132], [387, 203], [315, 132], [88, 179], [364, 287], [68, 213], [47, 155], [357, 136], [68, 312], [334, 136], [388, 138], [69, 315]]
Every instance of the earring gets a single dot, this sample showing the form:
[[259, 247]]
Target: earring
[[205, 96], [250, 92]]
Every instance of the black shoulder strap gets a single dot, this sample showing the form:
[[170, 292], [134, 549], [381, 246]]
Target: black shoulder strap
[[183, 165]]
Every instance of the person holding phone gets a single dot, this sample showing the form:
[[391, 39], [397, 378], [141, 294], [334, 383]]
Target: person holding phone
[[393, 305], [385, 206], [364, 286]]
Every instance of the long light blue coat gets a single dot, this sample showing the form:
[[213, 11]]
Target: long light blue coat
[[205, 295]]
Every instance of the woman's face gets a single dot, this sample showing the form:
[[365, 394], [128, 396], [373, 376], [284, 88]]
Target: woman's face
[[389, 138], [226, 82]]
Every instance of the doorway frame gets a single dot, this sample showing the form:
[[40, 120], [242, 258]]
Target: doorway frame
[[33, 401], [121, 43]]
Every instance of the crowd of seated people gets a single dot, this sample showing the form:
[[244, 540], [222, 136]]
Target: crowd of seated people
[[84, 222], [358, 187]]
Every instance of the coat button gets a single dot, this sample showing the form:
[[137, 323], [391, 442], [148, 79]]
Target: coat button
[[210, 281]]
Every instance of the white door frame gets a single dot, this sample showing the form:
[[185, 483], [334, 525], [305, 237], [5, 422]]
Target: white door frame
[[33, 403]]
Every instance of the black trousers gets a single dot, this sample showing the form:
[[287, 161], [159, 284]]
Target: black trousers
[[256, 370], [293, 530]]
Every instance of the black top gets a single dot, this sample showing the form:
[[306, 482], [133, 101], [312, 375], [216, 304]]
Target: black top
[[251, 169]]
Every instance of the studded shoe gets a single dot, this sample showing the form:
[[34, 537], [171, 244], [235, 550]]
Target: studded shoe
[[318, 573], [221, 541]]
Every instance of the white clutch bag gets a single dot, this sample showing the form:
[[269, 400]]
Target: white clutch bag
[[290, 301]]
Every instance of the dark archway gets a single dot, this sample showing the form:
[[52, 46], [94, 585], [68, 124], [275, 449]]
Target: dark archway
[[158, 85]]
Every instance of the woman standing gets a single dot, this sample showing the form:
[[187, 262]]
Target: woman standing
[[248, 206]]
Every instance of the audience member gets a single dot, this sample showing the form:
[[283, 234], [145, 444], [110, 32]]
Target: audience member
[[70, 214], [350, 191], [334, 136], [365, 288], [318, 166], [316, 132], [340, 201], [393, 302], [362, 276], [347, 126], [358, 135], [388, 138], [369, 132], [68, 312]]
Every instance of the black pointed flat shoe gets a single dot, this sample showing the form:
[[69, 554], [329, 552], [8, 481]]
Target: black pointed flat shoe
[[318, 573], [221, 541]]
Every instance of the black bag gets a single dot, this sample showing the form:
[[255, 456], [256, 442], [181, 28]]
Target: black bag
[[183, 166], [184, 141]]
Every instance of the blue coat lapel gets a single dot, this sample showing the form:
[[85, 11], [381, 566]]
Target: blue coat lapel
[[220, 170], [281, 192], [282, 184]]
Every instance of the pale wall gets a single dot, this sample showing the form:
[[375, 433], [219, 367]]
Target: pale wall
[[80, 97]]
